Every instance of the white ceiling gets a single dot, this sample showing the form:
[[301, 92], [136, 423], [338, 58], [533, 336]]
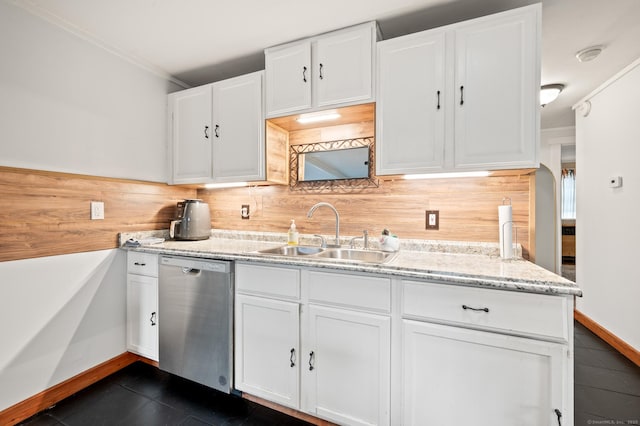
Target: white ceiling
[[200, 41]]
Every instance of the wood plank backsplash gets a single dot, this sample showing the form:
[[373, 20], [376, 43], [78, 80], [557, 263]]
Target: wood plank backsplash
[[46, 213], [468, 208]]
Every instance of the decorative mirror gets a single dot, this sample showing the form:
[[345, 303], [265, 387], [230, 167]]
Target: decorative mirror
[[343, 164]]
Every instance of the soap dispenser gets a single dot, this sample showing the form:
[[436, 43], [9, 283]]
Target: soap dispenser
[[293, 234]]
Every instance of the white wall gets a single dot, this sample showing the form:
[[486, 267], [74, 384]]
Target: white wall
[[68, 105], [607, 230], [59, 316]]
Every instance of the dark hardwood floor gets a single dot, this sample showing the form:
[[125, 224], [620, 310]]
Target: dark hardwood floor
[[607, 392]]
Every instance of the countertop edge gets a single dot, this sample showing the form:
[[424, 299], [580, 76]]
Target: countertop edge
[[522, 285]]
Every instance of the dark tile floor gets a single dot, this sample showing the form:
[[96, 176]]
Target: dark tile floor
[[607, 385], [607, 392], [143, 395]]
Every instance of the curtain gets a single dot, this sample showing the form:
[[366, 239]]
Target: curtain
[[568, 194]]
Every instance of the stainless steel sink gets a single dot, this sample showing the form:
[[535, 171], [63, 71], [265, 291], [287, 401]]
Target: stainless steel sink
[[356, 255], [332, 254], [293, 250]]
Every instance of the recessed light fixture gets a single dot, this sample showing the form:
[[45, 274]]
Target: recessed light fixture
[[589, 53], [549, 93], [314, 117]]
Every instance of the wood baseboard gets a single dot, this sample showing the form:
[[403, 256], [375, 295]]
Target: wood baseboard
[[618, 344], [45, 399], [289, 411]]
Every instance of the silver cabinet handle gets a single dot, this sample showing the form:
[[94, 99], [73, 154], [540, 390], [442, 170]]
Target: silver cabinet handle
[[153, 318], [292, 358], [304, 74], [216, 131], [321, 75], [461, 95], [206, 132], [140, 264]]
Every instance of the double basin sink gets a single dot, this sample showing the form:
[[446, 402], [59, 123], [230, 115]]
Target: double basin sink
[[332, 254]]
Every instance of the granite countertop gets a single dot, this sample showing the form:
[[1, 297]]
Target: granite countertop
[[464, 263]]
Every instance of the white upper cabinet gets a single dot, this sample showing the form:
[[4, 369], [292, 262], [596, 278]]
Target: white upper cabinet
[[190, 131], [288, 78], [461, 97], [238, 130], [411, 106], [343, 67], [217, 132], [497, 91], [327, 70]]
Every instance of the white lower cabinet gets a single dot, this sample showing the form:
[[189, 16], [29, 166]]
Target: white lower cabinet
[[267, 349], [457, 376], [342, 371], [361, 349], [142, 304], [347, 378]]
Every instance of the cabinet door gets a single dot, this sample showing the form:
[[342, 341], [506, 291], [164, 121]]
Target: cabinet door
[[142, 315], [347, 366], [344, 65], [459, 376], [191, 135], [238, 129], [497, 91], [410, 111], [288, 79], [267, 349]]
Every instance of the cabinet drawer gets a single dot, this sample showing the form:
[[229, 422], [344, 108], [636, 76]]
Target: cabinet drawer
[[274, 281], [142, 263], [513, 312], [359, 291]]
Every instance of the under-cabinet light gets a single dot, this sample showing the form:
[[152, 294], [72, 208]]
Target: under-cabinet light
[[225, 185], [447, 175], [315, 117]]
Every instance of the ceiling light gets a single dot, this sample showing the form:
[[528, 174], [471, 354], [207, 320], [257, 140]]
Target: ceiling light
[[447, 175], [314, 117], [589, 54], [549, 93]]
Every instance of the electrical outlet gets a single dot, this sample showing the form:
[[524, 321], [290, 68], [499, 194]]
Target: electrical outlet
[[244, 212], [432, 220], [97, 210]]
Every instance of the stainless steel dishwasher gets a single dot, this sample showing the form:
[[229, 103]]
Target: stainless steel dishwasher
[[195, 320]]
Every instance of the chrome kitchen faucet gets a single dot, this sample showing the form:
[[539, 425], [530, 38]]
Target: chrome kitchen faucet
[[322, 204]]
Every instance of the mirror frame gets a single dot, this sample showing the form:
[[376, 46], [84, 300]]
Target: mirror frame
[[335, 184]]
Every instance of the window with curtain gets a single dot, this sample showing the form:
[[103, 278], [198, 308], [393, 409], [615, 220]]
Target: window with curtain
[[568, 193]]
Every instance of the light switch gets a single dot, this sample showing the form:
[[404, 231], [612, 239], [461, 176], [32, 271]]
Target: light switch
[[97, 210]]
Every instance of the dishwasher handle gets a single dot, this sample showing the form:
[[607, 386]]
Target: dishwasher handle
[[191, 271]]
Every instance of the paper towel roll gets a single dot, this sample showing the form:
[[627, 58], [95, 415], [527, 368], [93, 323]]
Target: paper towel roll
[[505, 223]]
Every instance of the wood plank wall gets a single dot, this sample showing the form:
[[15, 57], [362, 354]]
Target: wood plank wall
[[468, 208], [46, 213]]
